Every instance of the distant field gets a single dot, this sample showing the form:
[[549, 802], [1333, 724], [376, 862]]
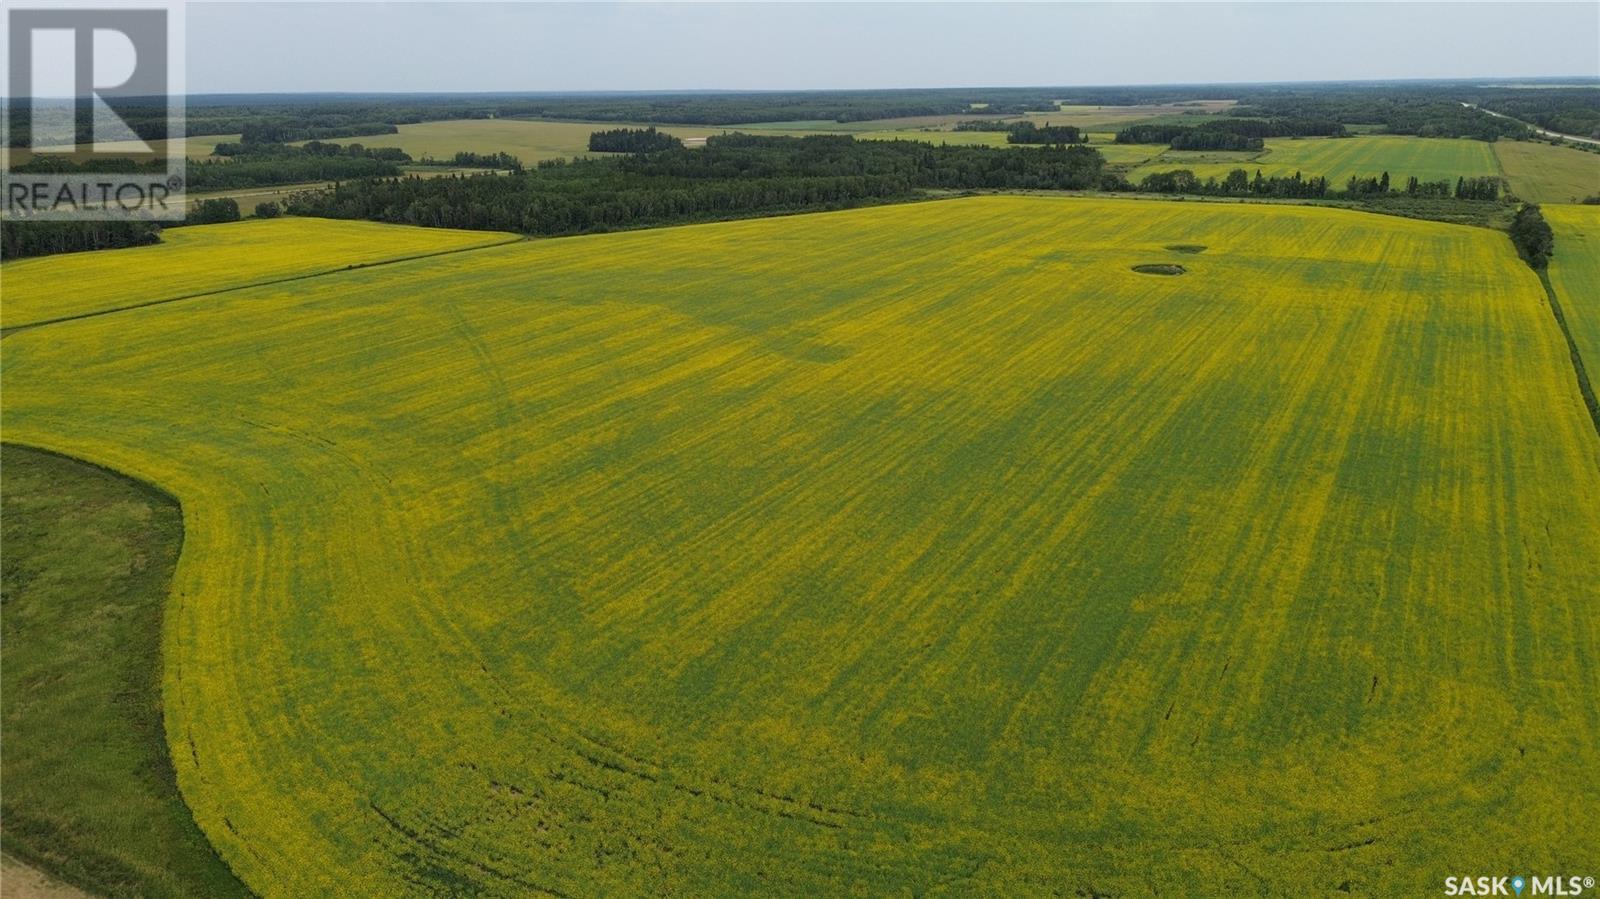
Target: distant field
[[248, 197], [1111, 118], [1429, 159], [527, 139], [1096, 118], [216, 257], [1546, 174], [194, 148], [1130, 154], [919, 549], [1575, 275]]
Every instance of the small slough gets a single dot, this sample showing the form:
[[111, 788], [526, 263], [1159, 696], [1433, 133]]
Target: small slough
[[1187, 247], [1160, 268]]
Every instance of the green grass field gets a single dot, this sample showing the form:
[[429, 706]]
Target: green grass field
[[1543, 173], [89, 788], [1575, 275], [193, 260], [1429, 159], [918, 549]]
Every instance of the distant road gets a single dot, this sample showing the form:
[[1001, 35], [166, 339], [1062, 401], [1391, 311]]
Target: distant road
[[1537, 130]]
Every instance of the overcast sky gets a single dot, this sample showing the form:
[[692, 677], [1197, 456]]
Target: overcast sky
[[253, 46]]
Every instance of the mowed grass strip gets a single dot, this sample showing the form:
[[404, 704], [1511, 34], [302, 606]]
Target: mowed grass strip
[[1575, 275], [1337, 159], [89, 790], [1541, 173], [207, 258], [918, 548]]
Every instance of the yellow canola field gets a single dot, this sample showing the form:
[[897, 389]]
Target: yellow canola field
[[917, 549], [193, 260]]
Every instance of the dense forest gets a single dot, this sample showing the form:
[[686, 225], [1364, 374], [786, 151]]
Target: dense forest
[[18, 240], [1239, 183], [1564, 110], [733, 175], [468, 160], [1228, 133], [248, 165], [1531, 234], [632, 140], [1421, 115], [1026, 132], [1030, 133]]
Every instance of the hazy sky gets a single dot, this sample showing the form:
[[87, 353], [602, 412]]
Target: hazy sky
[[353, 46]]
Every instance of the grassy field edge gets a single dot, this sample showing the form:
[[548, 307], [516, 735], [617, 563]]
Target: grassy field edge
[[97, 547]]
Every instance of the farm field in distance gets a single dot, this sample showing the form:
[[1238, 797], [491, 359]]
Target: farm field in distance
[[1337, 159], [527, 139], [1544, 174], [212, 258], [195, 147], [701, 559]]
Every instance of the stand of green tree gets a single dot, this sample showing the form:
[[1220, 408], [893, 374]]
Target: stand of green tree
[[733, 175], [41, 238], [240, 165], [1239, 183], [262, 164], [1030, 133], [983, 125], [501, 160], [212, 212], [1564, 110], [632, 140], [1026, 132], [1422, 114], [1228, 134], [310, 148], [1532, 236]]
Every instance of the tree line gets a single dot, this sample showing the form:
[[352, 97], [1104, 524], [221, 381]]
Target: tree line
[[44, 238], [1239, 183], [1030, 133], [245, 165], [1228, 134], [1426, 114], [466, 160], [1026, 132], [733, 175], [1563, 110], [632, 140]]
